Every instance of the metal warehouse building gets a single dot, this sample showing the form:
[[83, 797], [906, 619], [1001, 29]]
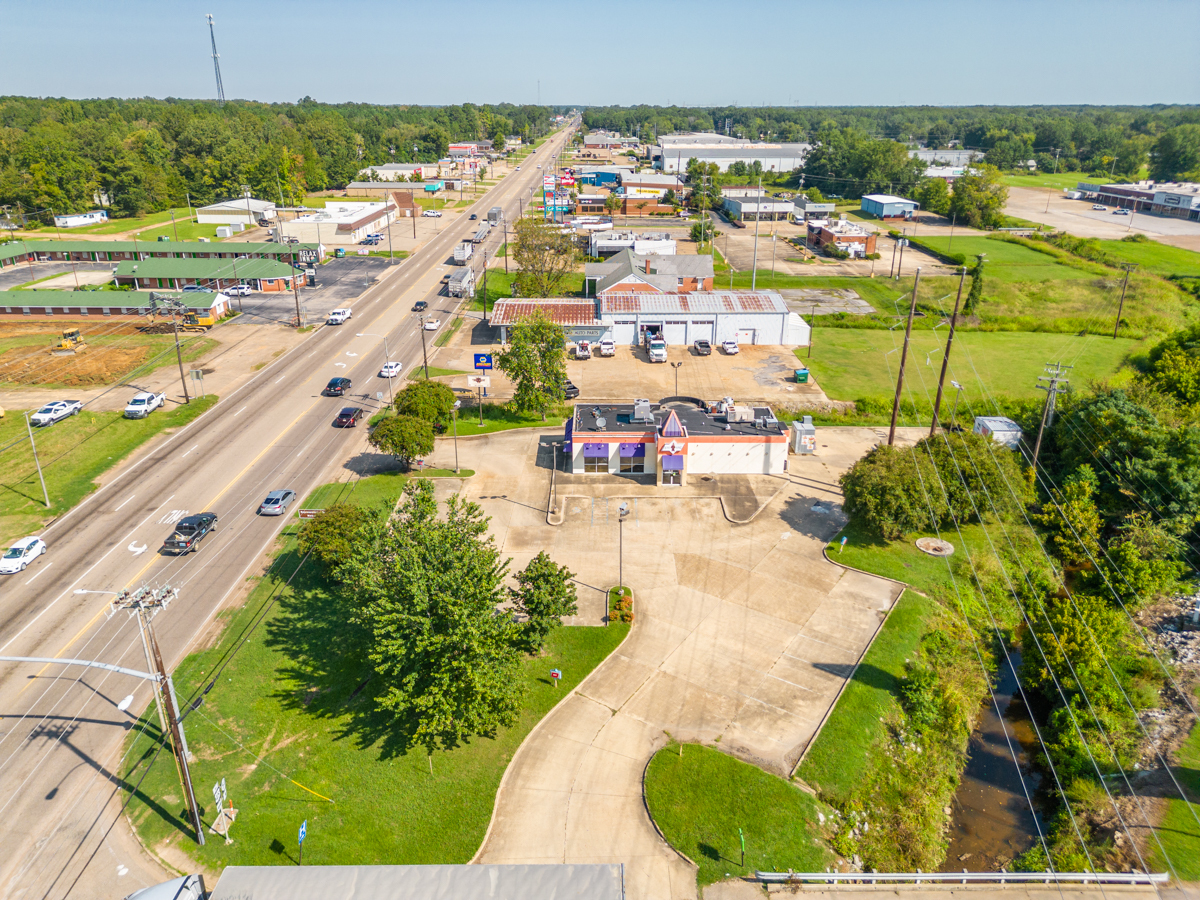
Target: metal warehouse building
[[748, 318], [888, 207]]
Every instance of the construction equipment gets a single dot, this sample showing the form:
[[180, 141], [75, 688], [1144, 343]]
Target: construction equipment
[[198, 323], [72, 342]]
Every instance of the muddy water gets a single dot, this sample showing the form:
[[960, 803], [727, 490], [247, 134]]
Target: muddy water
[[991, 820]]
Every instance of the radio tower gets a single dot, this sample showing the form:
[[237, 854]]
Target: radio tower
[[216, 63]]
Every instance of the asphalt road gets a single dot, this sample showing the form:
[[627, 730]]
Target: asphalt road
[[61, 732]]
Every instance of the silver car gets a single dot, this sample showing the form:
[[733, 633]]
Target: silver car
[[276, 503]]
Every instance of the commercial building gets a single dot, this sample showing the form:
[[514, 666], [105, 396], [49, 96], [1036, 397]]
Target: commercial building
[[398, 172], [674, 151], [174, 274], [806, 209], [646, 185], [238, 211], [675, 440], [959, 159], [577, 316], [604, 881], [602, 176], [847, 236], [75, 220], [344, 220], [948, 174], [759, 207], [888, 207], [590, 204], [602, 140], [606, 243], [130, 304], [628, 272], [463, 149], [1177, 200]]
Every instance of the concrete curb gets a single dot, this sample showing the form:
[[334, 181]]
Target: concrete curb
[[646, 806]]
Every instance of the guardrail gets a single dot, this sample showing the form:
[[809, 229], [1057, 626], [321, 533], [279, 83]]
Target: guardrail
[[963, 877]]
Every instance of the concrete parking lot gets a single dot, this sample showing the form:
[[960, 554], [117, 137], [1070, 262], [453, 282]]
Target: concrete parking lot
[[339, 282], [1078, 218], [23, 273]]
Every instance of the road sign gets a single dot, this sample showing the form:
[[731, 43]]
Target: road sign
[[479, 381], [310, 513], [303, 830], [483, 360], [555, 674]]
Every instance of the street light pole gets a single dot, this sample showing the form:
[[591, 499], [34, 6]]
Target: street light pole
[[454, 415], [387, 358], [675, 366], [623, 511]]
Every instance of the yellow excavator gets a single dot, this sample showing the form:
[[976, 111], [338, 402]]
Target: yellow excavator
[[72, 342], [197, 322]]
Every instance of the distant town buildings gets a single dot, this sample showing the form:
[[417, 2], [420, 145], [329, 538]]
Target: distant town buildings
[[1175, 199], [674, 151]]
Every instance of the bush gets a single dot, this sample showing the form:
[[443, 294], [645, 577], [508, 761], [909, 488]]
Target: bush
[[405, 437], [428, 400], [330, 536]]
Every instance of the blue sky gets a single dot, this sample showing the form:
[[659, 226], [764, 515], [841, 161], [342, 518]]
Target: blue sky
[[687, 52]]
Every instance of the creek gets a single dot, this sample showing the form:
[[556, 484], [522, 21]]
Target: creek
[[992, 822]]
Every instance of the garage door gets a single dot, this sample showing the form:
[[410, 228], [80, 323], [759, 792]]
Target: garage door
[[675, 332], [624, 332], [745, 335], [700, 331]]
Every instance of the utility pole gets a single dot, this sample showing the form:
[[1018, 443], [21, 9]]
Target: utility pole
[[937, 403], [424, 352], [912, 309], [179, 356], [1054, 375], [296, 287], [42, 478], [1128, 267], [812, 330], [892, 268]]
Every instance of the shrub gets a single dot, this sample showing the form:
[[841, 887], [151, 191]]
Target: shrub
[[428, 400], [331, 534]]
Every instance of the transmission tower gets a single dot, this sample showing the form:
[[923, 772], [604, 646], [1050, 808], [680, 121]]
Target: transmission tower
[[216, 62]]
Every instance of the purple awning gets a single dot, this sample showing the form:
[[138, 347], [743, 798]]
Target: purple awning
[[633, 449], [671, 463], [595, 450]]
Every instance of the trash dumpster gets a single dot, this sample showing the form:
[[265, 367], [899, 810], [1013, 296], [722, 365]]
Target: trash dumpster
[[802, 376], [340, 252]]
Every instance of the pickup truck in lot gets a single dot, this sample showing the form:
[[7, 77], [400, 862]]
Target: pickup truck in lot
[[189, 532], [144, 403]]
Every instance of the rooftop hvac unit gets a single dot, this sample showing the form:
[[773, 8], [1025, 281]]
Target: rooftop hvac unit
[[642, 412], [739, 413]]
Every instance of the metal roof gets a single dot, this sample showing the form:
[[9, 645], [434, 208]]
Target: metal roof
[[204, 268], [562, 311], [887, 198], [248, 248], [696, 302], [39, 298], [240, 204]]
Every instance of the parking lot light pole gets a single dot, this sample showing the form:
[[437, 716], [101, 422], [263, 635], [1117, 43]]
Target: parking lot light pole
[[623, 511], [387, 358], [675, 366], [454, 415]]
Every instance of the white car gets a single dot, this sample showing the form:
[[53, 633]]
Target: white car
[[1120, 212], [730, 348], [1099, 207], [607, 348], [144, 403], [432, 214], [390, 370], [433, 324], [21, 554], [237, 290], [52, 412]]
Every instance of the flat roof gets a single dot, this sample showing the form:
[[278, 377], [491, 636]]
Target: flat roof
[[888, 198], [697, 420], [562, 311], [696, 302], [241, 204], [204, 268]]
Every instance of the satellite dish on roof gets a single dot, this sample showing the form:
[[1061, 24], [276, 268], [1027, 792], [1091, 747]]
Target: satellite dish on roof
[[601, 422]]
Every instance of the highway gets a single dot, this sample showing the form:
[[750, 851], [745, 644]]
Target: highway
[[61, 732]]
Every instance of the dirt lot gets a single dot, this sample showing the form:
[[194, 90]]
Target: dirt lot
[[114, 348]]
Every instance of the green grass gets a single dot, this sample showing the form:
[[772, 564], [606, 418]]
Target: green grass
[[841, 757], [297, 695], [29, 284], [117, 226], [185, 230], [1062, 181], [1160, 259], [444, 338], [395, 254], [853, 363], [73, 453], [1178, 831], [1008, 262], [700, 798], [498, 418], [434, 372]]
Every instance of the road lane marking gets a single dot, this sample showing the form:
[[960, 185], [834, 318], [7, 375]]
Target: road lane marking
[[40, 571], [277, 380], [189, 450], [131, 496], [240, 411]]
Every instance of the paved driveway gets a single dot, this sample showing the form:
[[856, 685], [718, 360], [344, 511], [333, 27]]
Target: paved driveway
[[744, 635]]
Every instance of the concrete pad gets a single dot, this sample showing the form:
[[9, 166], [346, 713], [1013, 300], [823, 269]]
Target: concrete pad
[[622, 677], [688, 712]]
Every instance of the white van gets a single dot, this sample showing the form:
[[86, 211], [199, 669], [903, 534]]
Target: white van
[[338, 316]]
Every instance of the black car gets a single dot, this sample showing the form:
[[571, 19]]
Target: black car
[[348, 417], [420, 306], [473, 217], [703, 348], [189, 531], [337, 387], [570, 391]]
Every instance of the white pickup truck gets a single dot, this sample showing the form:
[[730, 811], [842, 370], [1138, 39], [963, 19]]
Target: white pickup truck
[[144, 403]]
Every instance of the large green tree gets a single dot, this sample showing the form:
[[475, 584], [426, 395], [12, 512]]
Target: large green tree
[[544, 255], [545, 593], [428, 400], [1176, 154], [979, 197], [405, 437], [536, 362]]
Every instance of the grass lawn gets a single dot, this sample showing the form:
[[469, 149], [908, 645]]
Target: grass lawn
[[840, 758], [186, 231], [448, 332], [702, 798], [1007, 262], [118, 226], [73, 453], [854, 363], [1062, 181], [434, 372], [1178, 830], [497, 418], [290, 709], [1151, 256]]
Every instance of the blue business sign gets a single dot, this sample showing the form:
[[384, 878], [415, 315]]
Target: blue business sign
[[483, 361]]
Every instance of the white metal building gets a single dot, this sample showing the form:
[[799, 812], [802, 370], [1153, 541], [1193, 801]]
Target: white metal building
[[674, 151], [715, 316], [75, 220], [763, 207], [606, 243], [238, 211]]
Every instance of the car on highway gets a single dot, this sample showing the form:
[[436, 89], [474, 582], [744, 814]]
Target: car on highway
[[730, 348], [54, 412], [1099, 207], [339, 316], [196, 289], [1120, 212], [472, 217], [420, 306], [702, 348], [348, 417], [606, 348], [237, 290], [143, 403], [21, 554], [570, 391], [189, 532], [539, 165], [276, 503], [337, 387], [390, 370], [433, 324], [518, 168]]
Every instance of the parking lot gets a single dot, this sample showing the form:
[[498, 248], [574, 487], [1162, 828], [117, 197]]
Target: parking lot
[[339, 282]]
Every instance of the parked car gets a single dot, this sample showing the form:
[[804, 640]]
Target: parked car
[[420, 306], [143, 403], [276, 503], [348, 417], [189, 532], [432, 214], [196, 289], [390, 370], [264, 223], [21, 554], [1099, 207], [607, 348], [433, 324], [337, 387], [570, 391], [730, 348], [472, 217], [53, 412], [1120, 212], [583, 350], [238, 290], [702, 348]]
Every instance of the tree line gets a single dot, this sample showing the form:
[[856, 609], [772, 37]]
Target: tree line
[[146, 155]]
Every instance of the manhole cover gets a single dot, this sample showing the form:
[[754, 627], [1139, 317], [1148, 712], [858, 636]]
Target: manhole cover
[[935, 546]]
